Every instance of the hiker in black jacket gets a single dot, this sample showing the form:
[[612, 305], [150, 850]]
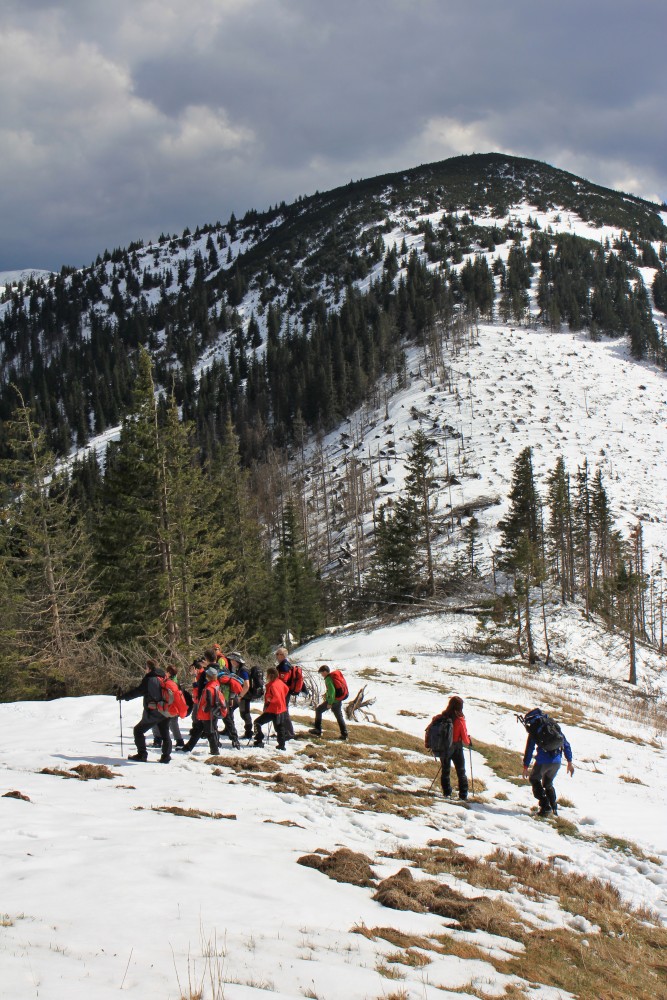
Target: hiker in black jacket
[[150, 690]]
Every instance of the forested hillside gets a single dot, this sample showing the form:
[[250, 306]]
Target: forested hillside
[[201, 436]]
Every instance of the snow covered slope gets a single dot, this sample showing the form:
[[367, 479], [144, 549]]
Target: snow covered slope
[[105, 894]]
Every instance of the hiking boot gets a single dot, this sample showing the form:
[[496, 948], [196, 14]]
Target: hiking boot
[[236, 745], [315, 732], [182, 748], [142, 757], [463, 796], [258, 743], [156, 743], [343, 736], [280, 746], [544, 811], [164, 759], [180, 744], [248, 734]]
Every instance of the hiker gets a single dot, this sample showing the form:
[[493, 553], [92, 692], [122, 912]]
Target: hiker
[[150, 689], [284, 668], [174, 727], [231, 687], [545, 734], [336, 692], [238, 666], [446, 736], [210, 707], [275, 710], [198, 668]]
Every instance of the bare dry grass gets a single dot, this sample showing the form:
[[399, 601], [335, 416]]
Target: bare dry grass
[[244, 764], [190, 813], [442, 859], [342, 866], [16, 795], [93, 772]]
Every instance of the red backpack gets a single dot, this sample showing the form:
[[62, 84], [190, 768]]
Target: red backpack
[[173, 700], [340, 685], [296, 679]]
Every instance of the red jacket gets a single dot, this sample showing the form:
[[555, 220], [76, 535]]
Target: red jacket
[[460, 731], [275, 697], [211, 701]]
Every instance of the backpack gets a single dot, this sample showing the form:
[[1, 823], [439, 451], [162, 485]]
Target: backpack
[[439, 735], [234, 686], [296, 679], [544, 730], [173, 702], [256, 689], [340, 685]]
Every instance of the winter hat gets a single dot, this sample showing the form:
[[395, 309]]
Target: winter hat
[[212, 672], [236, 656], [159, 672]]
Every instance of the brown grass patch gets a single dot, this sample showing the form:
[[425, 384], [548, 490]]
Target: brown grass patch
[[252, 765], [59, 773], [403, 892], [342, 866], [93, 772], [505, 763], [630, 779], [443, 859], [291, 783], [16, 795], [415, 959], [284, 822], [190, 813], [388, 971]]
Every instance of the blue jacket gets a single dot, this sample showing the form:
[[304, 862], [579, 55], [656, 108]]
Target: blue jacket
[[546, 756]]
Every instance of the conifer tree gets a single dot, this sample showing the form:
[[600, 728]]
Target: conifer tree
[[393, 578], [297, 590], [559, 530], [421, 496], [521, 542], [51, 621]]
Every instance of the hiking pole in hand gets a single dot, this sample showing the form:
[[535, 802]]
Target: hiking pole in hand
[[120, 710], [436, 777], [269, 729], [472, 780]]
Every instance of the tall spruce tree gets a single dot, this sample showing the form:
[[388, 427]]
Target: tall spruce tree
[[297, 603], [421, 497], [521, 542], [393, 578], [51, 622]]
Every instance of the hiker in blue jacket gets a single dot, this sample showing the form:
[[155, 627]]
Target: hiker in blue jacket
[[545, 769]]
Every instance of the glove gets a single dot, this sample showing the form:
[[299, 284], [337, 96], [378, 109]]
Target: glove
[[119, 695]]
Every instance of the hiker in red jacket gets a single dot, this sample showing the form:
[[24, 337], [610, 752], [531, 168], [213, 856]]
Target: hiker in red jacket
[[336, 692], [275, 709], [210, 707], [455, 754], [284, 668]]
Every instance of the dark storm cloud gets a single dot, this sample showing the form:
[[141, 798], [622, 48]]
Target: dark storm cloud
[[123, 120]]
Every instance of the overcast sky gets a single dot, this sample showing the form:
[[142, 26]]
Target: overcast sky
[[120, 119]]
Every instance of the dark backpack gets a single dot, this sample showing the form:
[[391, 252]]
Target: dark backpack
[[440, 735], [544, 730], [256, 682]]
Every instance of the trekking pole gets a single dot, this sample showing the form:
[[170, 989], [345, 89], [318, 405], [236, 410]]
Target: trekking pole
[[268, 732], [120, 710], [436, 777], [472, 780]]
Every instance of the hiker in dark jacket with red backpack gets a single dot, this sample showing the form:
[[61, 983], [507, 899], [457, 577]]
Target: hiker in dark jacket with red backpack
[[150, 689], [335, 694], [446, 736], [545, 734]]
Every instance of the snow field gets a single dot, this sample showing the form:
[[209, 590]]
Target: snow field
[[102, 895]]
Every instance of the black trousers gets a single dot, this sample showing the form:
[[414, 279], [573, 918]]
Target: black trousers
[[542, 777], [337, 709], [278, 724], [287, 722], [148, 720], [207, 728], [244, 712], [457, 758]]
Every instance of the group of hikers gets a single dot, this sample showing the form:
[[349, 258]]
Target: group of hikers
[[447, 738], [221, 684]]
